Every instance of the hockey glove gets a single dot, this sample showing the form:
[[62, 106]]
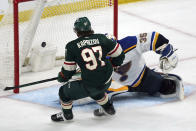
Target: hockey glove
[[111, 37], [61, 78], [168, 59], [115, 67]]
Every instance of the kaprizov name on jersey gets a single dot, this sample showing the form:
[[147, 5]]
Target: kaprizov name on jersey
[[87, 42]]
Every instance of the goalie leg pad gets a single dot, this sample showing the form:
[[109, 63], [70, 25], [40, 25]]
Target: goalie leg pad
[[168, 87], [175, 83], [151, 83]]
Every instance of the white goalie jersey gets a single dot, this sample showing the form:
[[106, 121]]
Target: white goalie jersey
[[132, 70]]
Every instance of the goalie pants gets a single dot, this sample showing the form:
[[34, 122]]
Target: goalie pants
[[75, 90], [151, 83]]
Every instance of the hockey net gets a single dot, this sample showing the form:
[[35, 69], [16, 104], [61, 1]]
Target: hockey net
[[28, 23]]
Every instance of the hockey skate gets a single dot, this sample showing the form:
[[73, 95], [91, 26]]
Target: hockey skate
[[62, 117], [105, 111]]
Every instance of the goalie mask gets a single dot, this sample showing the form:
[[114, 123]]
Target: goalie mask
[[82, 24]]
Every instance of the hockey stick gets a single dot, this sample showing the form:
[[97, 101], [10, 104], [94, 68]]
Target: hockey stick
[[36, 82], [30, 84]]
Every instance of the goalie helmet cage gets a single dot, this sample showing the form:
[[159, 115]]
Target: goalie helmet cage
[[37, 15]]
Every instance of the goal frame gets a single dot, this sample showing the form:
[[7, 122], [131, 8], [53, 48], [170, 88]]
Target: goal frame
[[16, 36]]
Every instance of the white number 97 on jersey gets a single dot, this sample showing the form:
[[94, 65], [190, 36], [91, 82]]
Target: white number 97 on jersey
[[88, 55]]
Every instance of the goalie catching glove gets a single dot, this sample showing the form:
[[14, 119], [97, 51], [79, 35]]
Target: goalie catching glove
[[168, 59]]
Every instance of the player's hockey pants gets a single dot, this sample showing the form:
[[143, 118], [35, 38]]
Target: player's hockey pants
[[75, 90]]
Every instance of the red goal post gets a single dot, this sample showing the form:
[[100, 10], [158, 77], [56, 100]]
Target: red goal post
[[16, 43], [76, 8]]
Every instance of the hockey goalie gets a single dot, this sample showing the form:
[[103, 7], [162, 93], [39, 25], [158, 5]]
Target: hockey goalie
[[137, 77]]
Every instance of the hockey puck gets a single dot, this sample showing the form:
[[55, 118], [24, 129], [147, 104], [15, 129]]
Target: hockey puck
[[43, 44]]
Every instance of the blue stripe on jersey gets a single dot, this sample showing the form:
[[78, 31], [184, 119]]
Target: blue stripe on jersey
[[128, 43], [152, 38]]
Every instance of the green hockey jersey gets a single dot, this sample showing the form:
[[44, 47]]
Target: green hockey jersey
[[89, 53]]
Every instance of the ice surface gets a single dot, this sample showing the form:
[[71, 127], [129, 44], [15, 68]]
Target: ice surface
[[173, 18]]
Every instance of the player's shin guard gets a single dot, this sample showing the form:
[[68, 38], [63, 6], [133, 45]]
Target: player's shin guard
[[107, 107], [66, 113]]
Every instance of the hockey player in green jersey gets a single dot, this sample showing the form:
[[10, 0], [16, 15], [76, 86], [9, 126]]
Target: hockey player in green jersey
[[89, 52]]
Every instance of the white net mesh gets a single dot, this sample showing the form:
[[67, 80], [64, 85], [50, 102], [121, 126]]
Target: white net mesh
[[6, 50], [55, 26]]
